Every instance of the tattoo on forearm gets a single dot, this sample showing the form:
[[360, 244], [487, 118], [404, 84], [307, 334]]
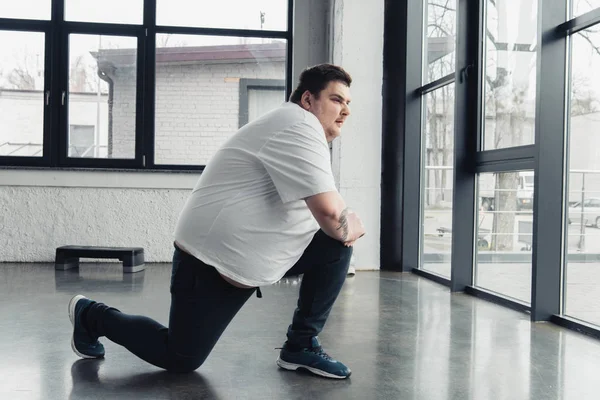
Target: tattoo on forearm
[[343, 224]]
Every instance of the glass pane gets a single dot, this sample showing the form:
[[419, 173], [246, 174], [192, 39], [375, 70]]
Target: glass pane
[[237, 14], [583, 6], [440, 43], [264, 99], [437, 184], [102, 96], [582, 282], [510, 73], [504, 233], [206, 87], [21, 93], [110, 11], [25, 9]]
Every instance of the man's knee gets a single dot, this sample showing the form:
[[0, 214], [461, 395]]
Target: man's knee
[[340, 255], [331, 243], [184, 365], [345, 252]]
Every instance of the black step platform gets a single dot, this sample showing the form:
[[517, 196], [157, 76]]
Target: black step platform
[[67, 257]]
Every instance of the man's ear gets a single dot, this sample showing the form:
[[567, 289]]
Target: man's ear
[[305, 100]]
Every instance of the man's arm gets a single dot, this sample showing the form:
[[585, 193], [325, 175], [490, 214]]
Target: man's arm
[[334, 218]]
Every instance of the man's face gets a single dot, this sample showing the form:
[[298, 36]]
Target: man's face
[[331, 107]]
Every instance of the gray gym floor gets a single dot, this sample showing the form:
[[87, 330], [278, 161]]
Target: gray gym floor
[[404, 337]]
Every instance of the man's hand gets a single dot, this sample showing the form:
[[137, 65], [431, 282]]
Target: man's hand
[[351, 227], [351, 243]]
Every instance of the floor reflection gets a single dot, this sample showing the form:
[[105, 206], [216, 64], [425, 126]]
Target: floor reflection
[[404, 337]]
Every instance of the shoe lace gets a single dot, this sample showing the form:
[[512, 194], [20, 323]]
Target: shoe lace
[[316, 350], [320, 352]]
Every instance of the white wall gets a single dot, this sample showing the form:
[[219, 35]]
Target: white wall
[[42, 210], [87, 216], [358, 47]]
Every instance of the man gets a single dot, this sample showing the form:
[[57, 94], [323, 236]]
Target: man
[[265, 207]]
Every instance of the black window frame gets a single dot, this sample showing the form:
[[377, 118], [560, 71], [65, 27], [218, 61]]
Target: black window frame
[[56, 77], [547, 157]]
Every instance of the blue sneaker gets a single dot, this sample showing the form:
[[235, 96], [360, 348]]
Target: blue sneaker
[[313, 359], [82, 343]]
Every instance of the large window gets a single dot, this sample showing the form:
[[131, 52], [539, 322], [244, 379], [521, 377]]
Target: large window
[[255, 14], [102, 91], [437, 137], [437, 178], [510, 73], [440, 40], [503, 214], [504, 233], [112, 11], [509, 208], [22, 97], [128, 85], [25, 9], [582, 281]]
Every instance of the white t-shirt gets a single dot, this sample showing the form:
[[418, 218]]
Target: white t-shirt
[[246, 216]]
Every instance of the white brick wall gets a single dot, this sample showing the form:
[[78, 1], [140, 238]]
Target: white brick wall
[[197, 108], [124, 113], [22, 117]]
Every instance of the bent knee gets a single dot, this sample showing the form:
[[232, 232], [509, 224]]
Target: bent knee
[[344, 251], [331, 243], [184, 365], [183, 368]]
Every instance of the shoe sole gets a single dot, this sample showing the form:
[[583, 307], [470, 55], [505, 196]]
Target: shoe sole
[[71, 310], [294, 367]]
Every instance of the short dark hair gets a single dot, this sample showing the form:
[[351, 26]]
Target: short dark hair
[[315, 79]]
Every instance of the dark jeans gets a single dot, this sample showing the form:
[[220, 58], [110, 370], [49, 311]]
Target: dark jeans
[[203, 304]]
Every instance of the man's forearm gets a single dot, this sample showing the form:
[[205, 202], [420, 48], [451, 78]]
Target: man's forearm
[[334, 217], [341, 227]]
